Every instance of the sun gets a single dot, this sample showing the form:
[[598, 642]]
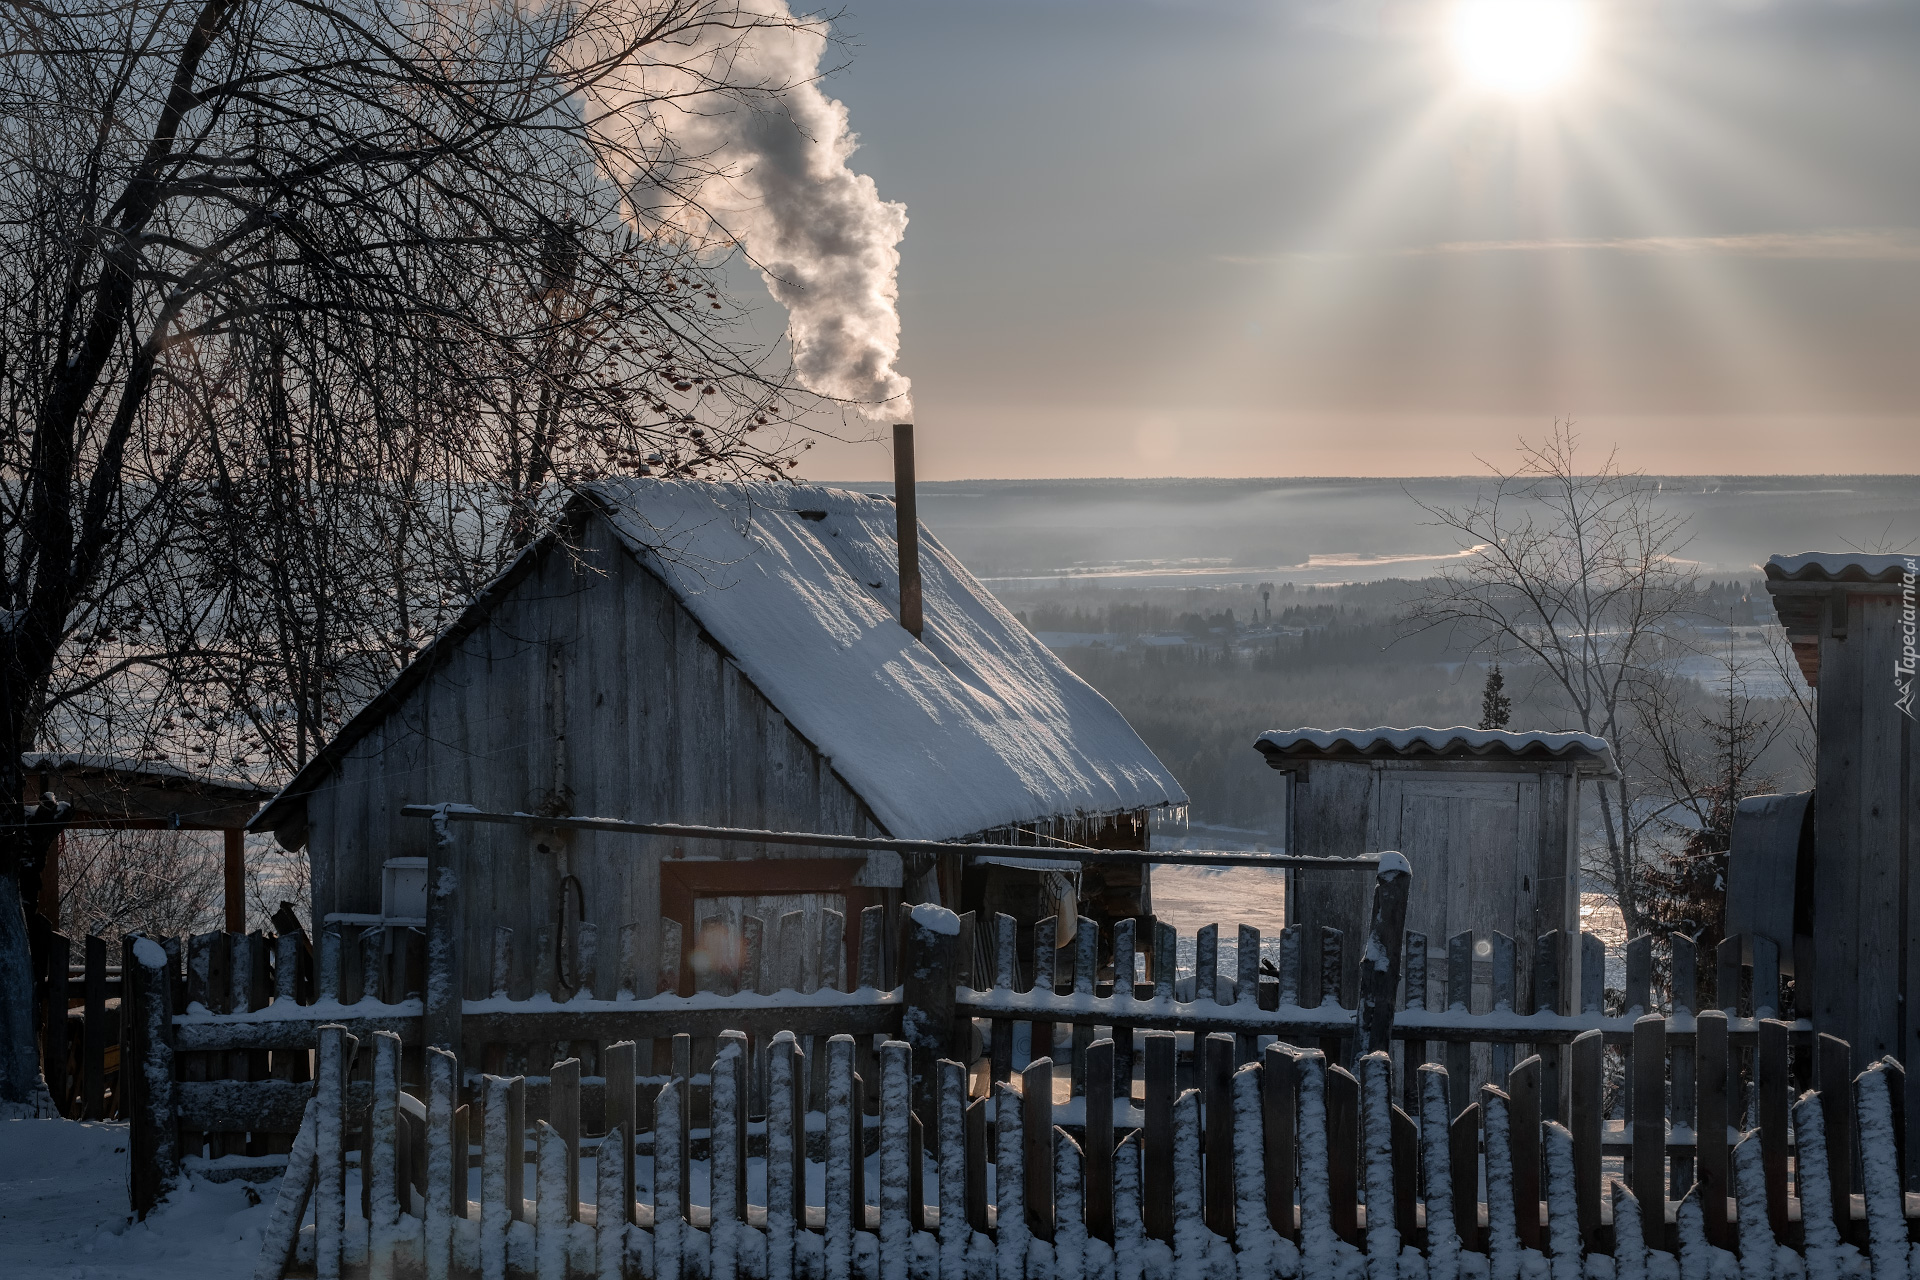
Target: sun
[[1521, 48]]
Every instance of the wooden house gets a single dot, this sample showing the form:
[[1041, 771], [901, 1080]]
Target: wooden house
[[726, 655], [1851, 621], [1488, 819]]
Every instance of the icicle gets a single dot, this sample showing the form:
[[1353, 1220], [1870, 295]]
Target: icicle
[[610, 1216], [1563, 1209], [1009, 1186], [551, 1219], [1503, 1244], [1436, 1160], [1376, 1163]]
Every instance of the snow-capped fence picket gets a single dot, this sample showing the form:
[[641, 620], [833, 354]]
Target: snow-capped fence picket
[[1254, 1182]]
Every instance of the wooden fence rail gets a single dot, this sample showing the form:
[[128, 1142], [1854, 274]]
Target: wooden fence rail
[[1199, 1120]]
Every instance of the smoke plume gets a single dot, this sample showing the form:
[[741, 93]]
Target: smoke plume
[[762, 162]]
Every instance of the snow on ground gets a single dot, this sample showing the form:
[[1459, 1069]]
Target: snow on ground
[[63, 1212]]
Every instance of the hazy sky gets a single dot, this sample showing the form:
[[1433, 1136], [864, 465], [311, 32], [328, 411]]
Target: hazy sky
[[1214, 237]]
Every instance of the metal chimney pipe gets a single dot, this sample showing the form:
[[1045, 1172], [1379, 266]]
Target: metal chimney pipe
[[906, 527]]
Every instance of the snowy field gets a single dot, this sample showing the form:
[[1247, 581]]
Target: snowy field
[[63, 1212]]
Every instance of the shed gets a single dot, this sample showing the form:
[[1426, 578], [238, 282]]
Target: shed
[[723, 655], [1850, 620], [115, 793], [1489, 820]]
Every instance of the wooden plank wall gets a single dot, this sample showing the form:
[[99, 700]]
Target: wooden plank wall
[[1456, 821], [592, 690]]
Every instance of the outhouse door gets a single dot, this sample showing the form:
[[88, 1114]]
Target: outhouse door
[[1474, 843]]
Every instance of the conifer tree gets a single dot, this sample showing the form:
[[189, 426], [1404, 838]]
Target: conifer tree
[[1496, 708]]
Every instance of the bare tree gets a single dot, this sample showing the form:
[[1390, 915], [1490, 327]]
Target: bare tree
[[1575, 571], [310, 313]]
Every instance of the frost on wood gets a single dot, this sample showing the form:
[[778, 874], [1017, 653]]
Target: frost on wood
[[1010, 1193], [1436, 1165], [1880, 1175], [1254, 1237], [1129, 1231], [1197, 1251], [1563, 1209], [1070, 1235], [723, 1162], [784, 1130], [1757, 1245], [384, 1198], [1629, 1242], [1376, 1161], [1816, 1191], [1318, 1244], [896, 1107], [610, 1216], [497, 1147], [440, 1156], [840, 1158], [551, 1219], [296, 1186], [1503, 1237], [329, 1195], [955, 1231], [669, 1197]]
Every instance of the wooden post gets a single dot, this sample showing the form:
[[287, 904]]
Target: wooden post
[[1216, 1076], [1505, 997], [1776, 1092], [1589, 1109], [1343, 1151], [1413, 1054], [563, 1111], [1098, 1175], [333, 1058], [94, 1068], [1157, 1191], [926, 1019], [620, 1112], [1833, 1072], [1036, 1122], [153, 1139], [1460, 1052], [1280, 1112], [1711, 1105], [53, 1057], [1380, 963], [1685, 989], [1550, 996], [446, 981], [1647, 1167], [1463, 1148], [234, 866], [1523, 1140]]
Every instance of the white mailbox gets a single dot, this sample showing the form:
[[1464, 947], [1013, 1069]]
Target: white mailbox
[[403, 891]]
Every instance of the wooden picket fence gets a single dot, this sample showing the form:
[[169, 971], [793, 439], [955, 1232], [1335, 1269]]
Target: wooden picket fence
[[77, 1018], [1203, 1125]]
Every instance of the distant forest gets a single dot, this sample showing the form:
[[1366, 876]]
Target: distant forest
[[1353, 663]]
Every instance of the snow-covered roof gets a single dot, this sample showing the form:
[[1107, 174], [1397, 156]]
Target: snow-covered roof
[[133, 768], [1591, 753], [1802, 586], [1834, 566], [974, 726]]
